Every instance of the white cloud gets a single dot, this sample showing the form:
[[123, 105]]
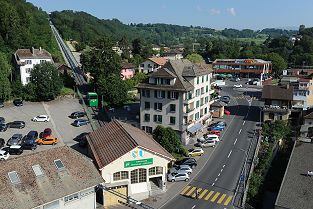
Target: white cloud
[[231, 11], [215, 11]]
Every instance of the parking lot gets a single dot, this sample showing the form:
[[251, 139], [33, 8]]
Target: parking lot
[[60, 123]]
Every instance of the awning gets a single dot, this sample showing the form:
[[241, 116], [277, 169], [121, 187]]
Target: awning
[[193, 129]]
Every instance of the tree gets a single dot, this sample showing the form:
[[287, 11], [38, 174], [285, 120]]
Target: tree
[[137, 46], [278, 63], [5, 70], [195, 58], [46, 81], [113, 89], [168, 139]]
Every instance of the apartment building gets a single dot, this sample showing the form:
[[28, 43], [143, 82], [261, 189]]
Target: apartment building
[[151, 64], [176, 96], [26, 59]]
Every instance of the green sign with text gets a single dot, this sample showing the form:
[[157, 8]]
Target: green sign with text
[[134, 163]]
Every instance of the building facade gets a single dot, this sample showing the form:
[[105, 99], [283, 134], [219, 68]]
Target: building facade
[[250, 68], [127, 71], [26, 59], [173, 54], [176, 96], [130, 161], [151, 64]]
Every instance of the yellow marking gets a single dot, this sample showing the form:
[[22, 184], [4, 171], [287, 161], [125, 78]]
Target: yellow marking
[[203, 193], [199, 190], [228, 200], [209, 195], [215, 196], [190, 191], [185, 190], [221, 199]]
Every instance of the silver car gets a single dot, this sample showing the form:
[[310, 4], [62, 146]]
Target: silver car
[[177, 177], [16, 139], [181, 169]]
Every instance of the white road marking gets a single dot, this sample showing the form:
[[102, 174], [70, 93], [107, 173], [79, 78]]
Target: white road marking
[[235, 141], [216, 179], [221, 170], [240, 131], [244, 122], [219, 174], [213, 184], [223, 166], [193, 207], [229, 153]]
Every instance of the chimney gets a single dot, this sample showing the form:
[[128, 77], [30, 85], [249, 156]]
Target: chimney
[[33, 51]]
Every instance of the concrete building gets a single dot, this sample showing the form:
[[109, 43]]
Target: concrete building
[[249, 68], [277, 102], [130, 161], [173, 54], [152, 64], [26, 59], [176, 96], [55, 178]]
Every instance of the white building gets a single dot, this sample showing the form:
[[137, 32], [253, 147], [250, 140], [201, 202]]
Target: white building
[[26, 59], [55, 178], [177, 96], [130, 161], [151, 64], [173, 54]]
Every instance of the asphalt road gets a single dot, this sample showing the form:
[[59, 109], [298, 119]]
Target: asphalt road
[[217, 182]]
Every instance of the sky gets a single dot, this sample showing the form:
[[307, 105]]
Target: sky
[[217, 14]]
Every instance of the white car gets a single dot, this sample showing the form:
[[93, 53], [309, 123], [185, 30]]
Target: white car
[[41, 118], [237, 85], [181, 169], [178, 177], [212, 137], [4, 155]]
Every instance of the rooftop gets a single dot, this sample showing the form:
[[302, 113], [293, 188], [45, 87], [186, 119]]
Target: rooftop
[[33, 54], [127, 65], [277, 93], [35, 179], [158, 60], [296, 189], [116, 138], [241, 61]]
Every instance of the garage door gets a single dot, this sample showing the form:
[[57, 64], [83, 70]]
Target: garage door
[[111, 199]]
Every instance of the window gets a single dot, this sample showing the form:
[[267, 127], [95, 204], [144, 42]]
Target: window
[[206, 78], [201, 102], [146, 93], [197, 116], [158, 106], [155, 170], [172, 107], [59, 164], [167, 81], [157, 118], [202, 79], [14, 178], [28, 62], [197, 104], [42, 61], [28, 70], [28, 79], [138, 176], [87, 192], [172, 120], [159, 94], [207, 89], [197, 92], [147, 117], [71, 197], [52, 205], [38, 170], [147, 105], [120, 175], [206, 100], [142, 65], [205, 110], [172, 95], [198, 79], [202, 90]]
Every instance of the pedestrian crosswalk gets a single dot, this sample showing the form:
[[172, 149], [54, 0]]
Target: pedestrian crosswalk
[[207, 195]]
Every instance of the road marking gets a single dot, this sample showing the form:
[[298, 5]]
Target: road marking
[[203, 193], [229, 153], [221, 199], [228, 200], [219, 174], [209, 195], [240, 131], [185, 190], [215, 196], [191, 191], [193, 207], [216, 179], [197, 190], [213, 184], [223, 165], [235, 141], [221, 170], [244, 122]]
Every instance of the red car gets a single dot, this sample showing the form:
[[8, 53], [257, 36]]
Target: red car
[[218, 133], [226, 112]]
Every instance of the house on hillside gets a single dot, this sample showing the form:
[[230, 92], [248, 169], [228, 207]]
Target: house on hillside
[[151, 64], [128, 70], [26, 59], [173, 54]]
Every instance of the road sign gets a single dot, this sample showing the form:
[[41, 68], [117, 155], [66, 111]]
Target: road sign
[[134, 163]]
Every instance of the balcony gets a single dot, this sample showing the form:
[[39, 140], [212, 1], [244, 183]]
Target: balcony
[[276, 109], [189, 110]]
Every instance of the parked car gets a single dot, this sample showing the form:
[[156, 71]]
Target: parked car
[[208, 143], [49, 140], [14, 149], [76, 115], [2, 120], [16, 139], [41, 118], [3, 127], [16, 124], [29, 142], [221, 123], [80, 122], [18, 102], [82, 140], [4, 155], [225, 99], [235, 79], [178, 177], [218, 133], [1, 103], [181, 169], [237, 86], [47, 132], [187, 161], [2, 142], [33, 134], [195, 152], [226, 112], [217, 128], [212, 137]]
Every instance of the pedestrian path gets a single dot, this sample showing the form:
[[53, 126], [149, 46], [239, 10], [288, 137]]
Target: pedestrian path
[[207, 195]]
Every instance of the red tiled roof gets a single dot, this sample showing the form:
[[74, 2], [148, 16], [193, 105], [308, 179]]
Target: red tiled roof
[[158, 60], [116, 138]]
